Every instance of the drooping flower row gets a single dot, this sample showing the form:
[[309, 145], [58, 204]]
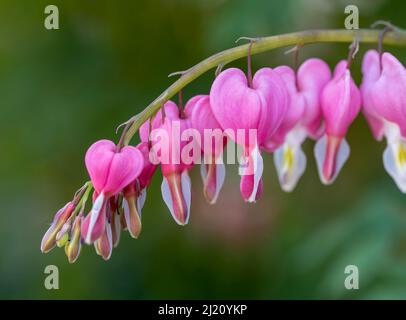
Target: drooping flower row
[[282, 106]]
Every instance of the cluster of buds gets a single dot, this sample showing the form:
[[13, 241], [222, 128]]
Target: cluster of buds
[[281, 106], [65, 229]]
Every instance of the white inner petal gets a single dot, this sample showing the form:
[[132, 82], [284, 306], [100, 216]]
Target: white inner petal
[[290, 163], [320, 154], [166, 195], [220, 178], [395, 169], [141, 200], [94, 215], [187, 192]]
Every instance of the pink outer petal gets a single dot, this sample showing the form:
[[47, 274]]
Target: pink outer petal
[[296, 106], [98, 159], [175, 162], [341, 101], [175, 127], [251, 174], [109, 170], [276, 100], [312, 77], [202, 119], [145, 127], [125, 167], [192, 102], [148, 169], [370, 74], [236, 106], [387, 95], [171, 112], [247, 186], [199, 111]]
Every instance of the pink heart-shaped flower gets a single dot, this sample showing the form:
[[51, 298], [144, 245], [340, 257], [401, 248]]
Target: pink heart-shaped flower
[[111, 170], [212, 142], [312, 77], [296, 106], [384, 90], [237, 106], [202, 119], [340, 101]]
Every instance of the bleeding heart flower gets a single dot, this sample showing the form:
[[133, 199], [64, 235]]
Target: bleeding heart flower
[[212, 142], [384, 105], [302, 120], [340, 103], [171, 151], [312, 77], [259, 109], [110, 171]]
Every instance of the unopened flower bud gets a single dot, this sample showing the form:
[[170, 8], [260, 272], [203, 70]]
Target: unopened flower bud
[[73, 246], [49, 239], [63, 235]]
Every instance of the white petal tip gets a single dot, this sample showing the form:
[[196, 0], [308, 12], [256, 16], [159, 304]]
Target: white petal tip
[[395, 164], [290, 163], [331, 154]]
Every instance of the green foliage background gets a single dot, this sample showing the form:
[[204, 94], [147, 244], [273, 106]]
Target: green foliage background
[[62, 90]]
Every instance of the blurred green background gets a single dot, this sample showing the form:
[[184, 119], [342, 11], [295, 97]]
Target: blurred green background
[[62, 90]]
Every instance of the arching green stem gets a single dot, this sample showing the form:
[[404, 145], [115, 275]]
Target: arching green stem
[[396, 37]]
